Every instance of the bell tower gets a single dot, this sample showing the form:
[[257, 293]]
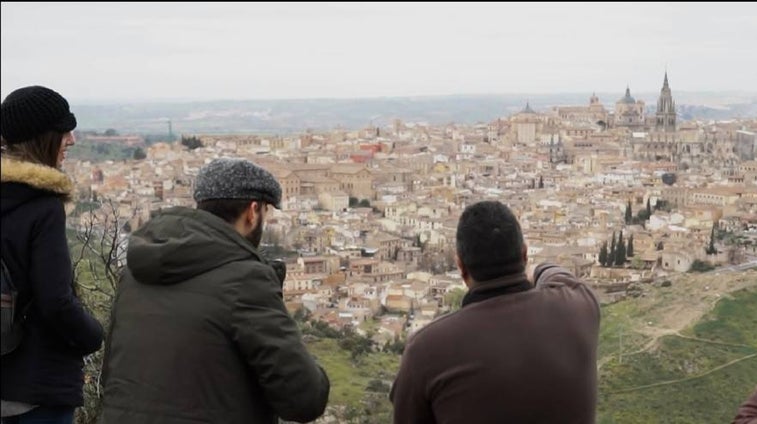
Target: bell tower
[[666, 109]]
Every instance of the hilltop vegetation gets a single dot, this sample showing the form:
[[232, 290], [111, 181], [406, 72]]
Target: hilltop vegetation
[[698, 376], [359, 387], [87, 150]]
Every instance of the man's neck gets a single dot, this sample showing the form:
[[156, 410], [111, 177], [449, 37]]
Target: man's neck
[[500, 286]]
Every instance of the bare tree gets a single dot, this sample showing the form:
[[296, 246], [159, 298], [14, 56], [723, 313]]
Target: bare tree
[[102, 249], [98, 255]]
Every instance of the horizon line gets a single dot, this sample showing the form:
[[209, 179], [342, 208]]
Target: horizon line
[[116, 100]]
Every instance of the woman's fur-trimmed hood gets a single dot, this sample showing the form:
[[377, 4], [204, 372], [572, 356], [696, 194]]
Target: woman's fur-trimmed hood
[[35, 175]]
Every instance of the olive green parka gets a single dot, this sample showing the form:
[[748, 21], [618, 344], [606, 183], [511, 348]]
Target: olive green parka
[[200, 333]]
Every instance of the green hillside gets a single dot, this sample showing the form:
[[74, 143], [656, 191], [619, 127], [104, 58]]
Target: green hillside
[[359, 388], [700, 376]]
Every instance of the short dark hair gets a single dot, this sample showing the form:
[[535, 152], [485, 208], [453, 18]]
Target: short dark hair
[[227, 209], [42, 149], [490, 241]]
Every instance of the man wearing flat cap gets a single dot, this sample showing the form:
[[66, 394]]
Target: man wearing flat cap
[[199, 330]]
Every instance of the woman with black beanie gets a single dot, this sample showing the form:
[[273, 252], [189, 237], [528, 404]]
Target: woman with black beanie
[[42, 377]]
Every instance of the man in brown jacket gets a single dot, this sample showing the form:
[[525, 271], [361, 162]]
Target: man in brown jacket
[[747, 413], [516, 352]]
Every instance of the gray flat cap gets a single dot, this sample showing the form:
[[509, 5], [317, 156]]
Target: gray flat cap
[[228, 178]]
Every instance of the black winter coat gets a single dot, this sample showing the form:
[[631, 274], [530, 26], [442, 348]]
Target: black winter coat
[[47, 367]]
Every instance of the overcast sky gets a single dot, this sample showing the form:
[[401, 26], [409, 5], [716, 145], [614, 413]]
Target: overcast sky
[[203, 51]]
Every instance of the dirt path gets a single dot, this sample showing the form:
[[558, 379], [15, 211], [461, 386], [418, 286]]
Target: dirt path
[[692, 297], [668, 311], [681, 380]]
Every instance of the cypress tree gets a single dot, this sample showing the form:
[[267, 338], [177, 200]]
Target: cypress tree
[[629, 213], [611, 258], [711, 250], [603, 254], [629, 251], [620, 251]]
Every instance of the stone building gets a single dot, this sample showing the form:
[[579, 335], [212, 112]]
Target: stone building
[[629, 112]]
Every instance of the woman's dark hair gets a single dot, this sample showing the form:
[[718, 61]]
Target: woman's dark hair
[[227, 209], [42, 149], [490, 241]]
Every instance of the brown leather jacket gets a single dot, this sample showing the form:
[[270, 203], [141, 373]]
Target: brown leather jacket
[[748, 411], [513, 354]]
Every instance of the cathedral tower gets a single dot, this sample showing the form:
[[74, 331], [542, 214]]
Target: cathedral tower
[[666, 109]]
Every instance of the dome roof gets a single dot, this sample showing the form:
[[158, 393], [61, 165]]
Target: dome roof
[[627, 98]]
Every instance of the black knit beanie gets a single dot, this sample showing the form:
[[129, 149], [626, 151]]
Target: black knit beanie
[[32, 111]]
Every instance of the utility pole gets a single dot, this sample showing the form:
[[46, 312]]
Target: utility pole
[[620, 346]]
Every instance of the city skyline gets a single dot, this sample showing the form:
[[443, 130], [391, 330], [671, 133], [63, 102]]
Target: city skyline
[[202, 52]]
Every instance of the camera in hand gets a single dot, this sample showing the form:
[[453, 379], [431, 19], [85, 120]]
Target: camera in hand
[[280, 267]]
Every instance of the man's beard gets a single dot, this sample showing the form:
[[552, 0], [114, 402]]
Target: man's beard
[[257, 234]]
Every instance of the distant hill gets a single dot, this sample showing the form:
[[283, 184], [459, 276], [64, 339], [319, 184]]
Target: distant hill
[[288, 116]]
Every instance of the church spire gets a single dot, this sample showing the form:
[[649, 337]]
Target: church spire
[[666, 109], [628, 99], [528, 108]]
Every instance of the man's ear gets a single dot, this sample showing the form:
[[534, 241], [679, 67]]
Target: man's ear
[[252, 212], [463, 270], [529, 268]]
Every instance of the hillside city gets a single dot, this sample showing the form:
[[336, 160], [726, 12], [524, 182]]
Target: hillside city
[[367, 227]]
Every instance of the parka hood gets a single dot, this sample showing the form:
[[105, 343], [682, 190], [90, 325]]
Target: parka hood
[[23, 181], [181, 243]]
